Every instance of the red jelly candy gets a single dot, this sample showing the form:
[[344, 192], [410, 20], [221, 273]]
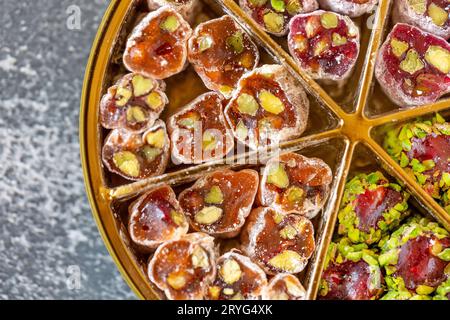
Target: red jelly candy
[[238, 278], [134, 103], [294, 183], [279, 243], [268, 107], [137, 156], [184, 268], [221, 52], [274, 15], [156, 217], [413, 66], [199, 132], [429, 15], [324, 44], [219, 203], [352, 8], [157, 47], [284, 287]]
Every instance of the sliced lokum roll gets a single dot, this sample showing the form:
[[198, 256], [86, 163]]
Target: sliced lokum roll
[[221, 52], [268, 107], [237, 278], [136, 156], [279, 243], [134, 103], [294, 183], [219, 203], [371, 207], [187, 8], [413, 66], [428, 15], [156, 217], [416, 258], [274, 15], [352, 8], [184, 268], [284, 286], [351, 272], [157, 47], [324, 44], [422, 147], [199, 132]]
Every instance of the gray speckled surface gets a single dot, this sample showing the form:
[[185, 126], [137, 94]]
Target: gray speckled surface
[[47, 232]]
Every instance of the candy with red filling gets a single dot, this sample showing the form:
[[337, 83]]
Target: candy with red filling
[[157, 47], [199, 132], [137, 156], [324, 44], [429, 15], [133, 103], [237, 278], [371, 207], [284, 286], [351, 272], [279, 243], [219, 202], [422, 147], [187, 8], [294, 183], [352, 8], [416, 257], [413, 66], [156, 217], [268, 107], [184, 268], [274, 15], [221, 52]]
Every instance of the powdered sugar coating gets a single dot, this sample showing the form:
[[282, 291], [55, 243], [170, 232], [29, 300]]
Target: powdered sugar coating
[[284, 286], [175, 258], [187, 8], [277, 80], [350, 8], [155, 52]]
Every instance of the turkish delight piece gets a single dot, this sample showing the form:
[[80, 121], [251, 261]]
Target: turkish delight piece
[[221, 52], [184, 268], [416, 257], [274, 15], [422, 147], [371, 208], [199, 132], [157, 47], [133, 103], [137, 156], [324, 44], [351, 272], [284, 286], [187, 8], [268, 107], [277, 242], [351, 8], [429, 15], [156, 217], [219, 202], [294, 183], [237, 278], [413, 66]]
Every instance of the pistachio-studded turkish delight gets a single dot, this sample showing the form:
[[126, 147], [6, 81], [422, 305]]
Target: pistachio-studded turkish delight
[[284, 286], [351, 272], [274, 15], [413, 66], [371, 207], [416, 259], [351, 8], [422, 147]]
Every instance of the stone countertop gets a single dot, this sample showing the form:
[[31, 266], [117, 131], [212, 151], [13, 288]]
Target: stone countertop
[[50, 247]]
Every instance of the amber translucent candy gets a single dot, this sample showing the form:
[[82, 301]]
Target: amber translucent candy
[[284, 287]]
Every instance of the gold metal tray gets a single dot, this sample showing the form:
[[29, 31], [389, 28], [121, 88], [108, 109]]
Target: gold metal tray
[[343, 130]]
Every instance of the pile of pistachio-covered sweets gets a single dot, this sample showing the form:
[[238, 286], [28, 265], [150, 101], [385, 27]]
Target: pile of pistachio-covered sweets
[[383, 249]]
